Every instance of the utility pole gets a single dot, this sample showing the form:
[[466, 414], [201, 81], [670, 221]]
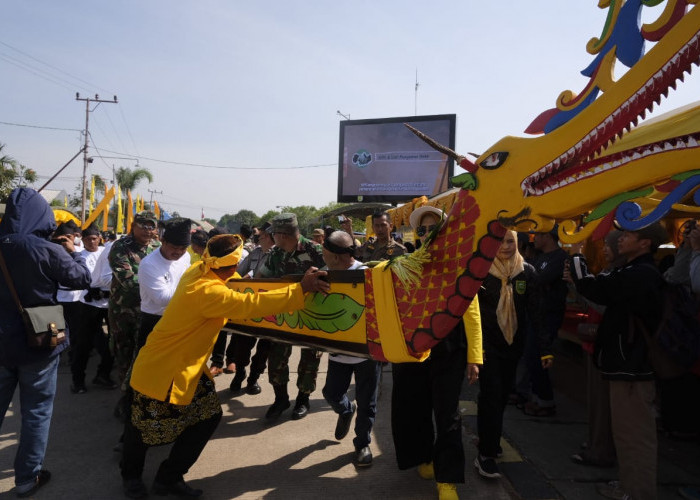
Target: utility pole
[[87, 160], [153, 191]]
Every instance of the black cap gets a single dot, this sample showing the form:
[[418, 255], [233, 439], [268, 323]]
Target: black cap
[[91, 230], [178, 232]]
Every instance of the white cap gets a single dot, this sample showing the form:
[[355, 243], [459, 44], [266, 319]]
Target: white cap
[[418, 213]]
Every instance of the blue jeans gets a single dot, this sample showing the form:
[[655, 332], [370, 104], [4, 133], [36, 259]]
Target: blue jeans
[[366, 384], [37, 388]]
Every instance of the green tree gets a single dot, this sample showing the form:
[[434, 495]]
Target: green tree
[[305, 215], [247, 217], [267, 216], [128, 179], [76, 199], [13, 175], [233, 222]]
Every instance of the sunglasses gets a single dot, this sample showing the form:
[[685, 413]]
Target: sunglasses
[[423, 230], [146, 227]]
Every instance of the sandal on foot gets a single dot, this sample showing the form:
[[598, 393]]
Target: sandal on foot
[[534, 410]]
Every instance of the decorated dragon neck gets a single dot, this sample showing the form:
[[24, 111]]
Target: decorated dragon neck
[[582, 171]]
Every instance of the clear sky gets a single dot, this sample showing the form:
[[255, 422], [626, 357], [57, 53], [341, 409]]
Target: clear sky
[[253, 87]]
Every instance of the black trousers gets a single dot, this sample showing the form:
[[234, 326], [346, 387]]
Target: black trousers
[[239, 350], [91, 334], [242, 349], [495, 382], [184, 453], [217, 354], [71, 313], [680, 403], [148, 322], [421, 390]]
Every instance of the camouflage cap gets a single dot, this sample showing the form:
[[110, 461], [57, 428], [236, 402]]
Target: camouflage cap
[[285, 223], [146, 216]]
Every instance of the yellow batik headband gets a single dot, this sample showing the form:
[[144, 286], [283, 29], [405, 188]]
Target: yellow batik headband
[[208, 262], [230, 259]]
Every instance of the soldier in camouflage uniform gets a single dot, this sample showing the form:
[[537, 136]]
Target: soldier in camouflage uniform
[[292, 254], [382, 246], [124, 310]]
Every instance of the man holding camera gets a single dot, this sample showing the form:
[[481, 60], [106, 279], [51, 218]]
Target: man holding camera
[[93, 314], [36, 267]]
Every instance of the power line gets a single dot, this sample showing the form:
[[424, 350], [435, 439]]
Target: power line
[[93, 86], [139, 157], [35, 72], [128, 130], [218, 166], [40, 126], [55, 79]]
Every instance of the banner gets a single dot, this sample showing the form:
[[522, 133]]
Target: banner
[[92, 195], [129, 211], [120, 212]]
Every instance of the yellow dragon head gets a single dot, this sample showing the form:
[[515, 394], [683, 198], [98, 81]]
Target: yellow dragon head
[[584, 165]]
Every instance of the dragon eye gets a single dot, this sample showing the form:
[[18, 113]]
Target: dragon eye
[[494, 160]]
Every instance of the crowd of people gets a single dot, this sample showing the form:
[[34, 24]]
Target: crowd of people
[[153, 303]]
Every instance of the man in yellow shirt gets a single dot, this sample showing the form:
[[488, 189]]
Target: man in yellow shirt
[[174, 398]]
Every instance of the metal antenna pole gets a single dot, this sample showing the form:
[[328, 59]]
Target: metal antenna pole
[[415, 103]]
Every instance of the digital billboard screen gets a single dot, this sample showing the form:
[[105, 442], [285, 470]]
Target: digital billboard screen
[[381, 160]]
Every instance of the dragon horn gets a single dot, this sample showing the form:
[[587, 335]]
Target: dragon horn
[[462, 161]]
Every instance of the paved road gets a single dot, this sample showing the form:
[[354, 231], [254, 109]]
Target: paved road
[[249, 459], [246, 459]]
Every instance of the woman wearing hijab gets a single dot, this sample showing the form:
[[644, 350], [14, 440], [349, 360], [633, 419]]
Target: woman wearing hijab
[[174, 399], [508, 299]]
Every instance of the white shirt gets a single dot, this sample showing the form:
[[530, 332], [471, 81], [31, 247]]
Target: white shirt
[[91, 260], [344, 358], [102, 274], [66, 294], [158, 279]]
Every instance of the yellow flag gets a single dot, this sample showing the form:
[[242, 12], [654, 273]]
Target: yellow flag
[[129, 211], [156, 209], [92, 195], [65, 201], [120, 212]]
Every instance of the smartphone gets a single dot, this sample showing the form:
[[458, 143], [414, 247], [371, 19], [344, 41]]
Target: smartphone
[[341, 218]]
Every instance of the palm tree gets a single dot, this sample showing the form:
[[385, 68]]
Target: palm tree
[[127, 179], [13, 174]]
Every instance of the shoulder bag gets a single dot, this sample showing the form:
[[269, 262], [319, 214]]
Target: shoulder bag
[[45, 326]]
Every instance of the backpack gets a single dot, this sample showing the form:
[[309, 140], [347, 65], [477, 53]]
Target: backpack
[[674, 347]]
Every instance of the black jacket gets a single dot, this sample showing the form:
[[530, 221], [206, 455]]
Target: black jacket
[[526, 295], [632, 296], [36, 267]]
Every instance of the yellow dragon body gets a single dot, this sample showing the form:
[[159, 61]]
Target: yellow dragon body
[[583, 169]]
